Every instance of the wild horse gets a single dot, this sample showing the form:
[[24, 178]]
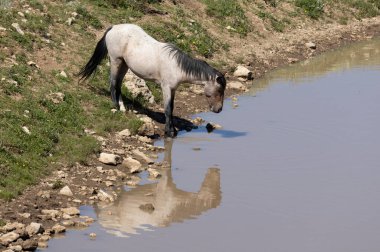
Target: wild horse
[[129, 46]]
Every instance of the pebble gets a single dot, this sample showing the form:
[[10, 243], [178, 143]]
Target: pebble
[[8, 238], [71, 211], [92, 235], [66, 191], [154, 173], [311, 45], [242, 71], [108, 158], [34, 228], [26, 130], [18, 28], [143, 156], [132, 164], [63, 74], [125, 133], [103, 196], [58, 229]]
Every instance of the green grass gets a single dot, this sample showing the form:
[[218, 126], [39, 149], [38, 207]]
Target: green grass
[[313, 8], [229, 13], [366, 8]]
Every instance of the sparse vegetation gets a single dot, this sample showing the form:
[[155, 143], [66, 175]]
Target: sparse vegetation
[[313, 8]]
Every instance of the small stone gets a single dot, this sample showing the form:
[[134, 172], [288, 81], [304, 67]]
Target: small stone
[[34, 228], [154, 173], [109, 183], [29, 245], [16, 248], [42, 244], [44, 238], [198, 121], [103, 196], [18, 28], [70, 21], [32, 64], [143, 156], [145, 139], [244, 72], [108, 158], [92, 235], [58, 229], [26, 130], [21, 14], [71, 211], [132, 164], [8, 238], [125, 133], [66, 191], [56, 98], [11, 226], [236, 85], [53, 213], [25, 215], [311, 45], [68, 223], [63, 74]]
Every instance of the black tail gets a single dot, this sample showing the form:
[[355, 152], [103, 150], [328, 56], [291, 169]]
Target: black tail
[[99, 54]]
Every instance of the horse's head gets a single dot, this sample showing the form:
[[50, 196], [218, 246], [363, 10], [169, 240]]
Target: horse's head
[[214, 91]]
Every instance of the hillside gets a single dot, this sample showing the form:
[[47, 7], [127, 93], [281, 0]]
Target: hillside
[[45, 112]]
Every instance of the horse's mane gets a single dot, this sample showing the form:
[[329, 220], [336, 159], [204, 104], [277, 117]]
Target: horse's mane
[[192, 67]]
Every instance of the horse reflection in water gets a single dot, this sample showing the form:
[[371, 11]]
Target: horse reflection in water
[[126, 216]]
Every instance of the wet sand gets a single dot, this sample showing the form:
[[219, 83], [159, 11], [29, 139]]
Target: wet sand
[[294, 168]]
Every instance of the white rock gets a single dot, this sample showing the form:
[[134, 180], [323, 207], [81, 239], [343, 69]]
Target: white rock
[[311, 45], [244, 72], [143, 156], [8, 238], [58, 229], [71, 211], [16, 248], [154, 173], [103, 196], [56, 98], [236, 85], [53, 213], [132, 164], [92, 235], [137, 86], [63, 74], [108, 158], [66, 191], [18, 28], [26, 130], [125, 133], [34, 228], [70, 20]]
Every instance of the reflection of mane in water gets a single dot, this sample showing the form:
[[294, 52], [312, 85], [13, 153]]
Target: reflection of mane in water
[[170, 203]]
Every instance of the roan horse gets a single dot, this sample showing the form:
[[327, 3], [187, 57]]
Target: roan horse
[[130, 47]]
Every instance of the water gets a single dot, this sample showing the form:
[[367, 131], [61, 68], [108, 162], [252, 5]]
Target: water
[[296, 167]]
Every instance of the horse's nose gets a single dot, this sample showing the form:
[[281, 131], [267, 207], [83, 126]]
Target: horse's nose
[[216, 109]]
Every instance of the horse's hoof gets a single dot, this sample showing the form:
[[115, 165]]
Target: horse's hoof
[[170, 134]]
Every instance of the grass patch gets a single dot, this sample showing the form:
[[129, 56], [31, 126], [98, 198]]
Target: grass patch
[[367, 8], [312, 8], [229, 13]]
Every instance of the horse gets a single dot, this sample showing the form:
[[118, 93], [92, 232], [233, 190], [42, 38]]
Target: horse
[[130, 47]]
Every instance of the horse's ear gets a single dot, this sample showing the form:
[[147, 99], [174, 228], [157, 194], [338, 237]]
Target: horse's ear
[[221, 80]]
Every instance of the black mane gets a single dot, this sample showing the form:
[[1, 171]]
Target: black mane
[[193, 67]]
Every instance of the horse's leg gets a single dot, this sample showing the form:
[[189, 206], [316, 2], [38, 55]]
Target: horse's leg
[[169, 94], [118, 71]]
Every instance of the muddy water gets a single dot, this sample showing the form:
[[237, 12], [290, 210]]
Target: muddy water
[[296, 167]]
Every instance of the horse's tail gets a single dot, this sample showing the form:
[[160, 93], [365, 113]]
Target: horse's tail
[[99, 54]]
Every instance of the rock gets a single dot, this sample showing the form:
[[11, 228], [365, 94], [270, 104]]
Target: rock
[[198, 121], [70, 21], [56, 98], [66, 191], [148, 127], [133, 181], [63, 74], [32, 64], [211, 126], [8, 238], [11, 226], [16, 248], [92, 235], [108, 158], [44, 194], [52, 213], [68, 223], [42, 244], [311, 45], [18, 28], [103, 196], [142, 156], [58, 229], [244, 72], [26, 130], [44, 238], [236, 85], [154, 173], [145, 139], [147, 207], [29, 245], [138, 87], [24, 215], [71, 211], [34, 228], [125, 133]]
